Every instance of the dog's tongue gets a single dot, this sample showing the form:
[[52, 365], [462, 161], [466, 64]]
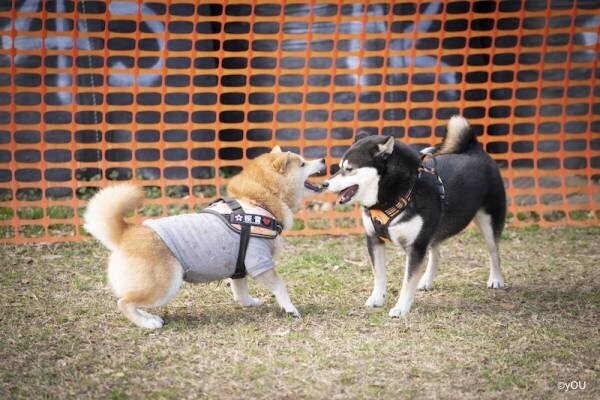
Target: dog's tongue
[[347, 194], [313, 187]]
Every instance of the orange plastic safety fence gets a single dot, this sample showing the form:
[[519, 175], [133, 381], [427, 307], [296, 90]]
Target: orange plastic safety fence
[[177, 96]]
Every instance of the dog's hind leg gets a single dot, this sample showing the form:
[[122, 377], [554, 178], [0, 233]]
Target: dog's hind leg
[[272, 281], [239, 287], [130, 303], [412, 275], [144, 282], [141, 318], [376, 249], [484, 222], [426, 282]]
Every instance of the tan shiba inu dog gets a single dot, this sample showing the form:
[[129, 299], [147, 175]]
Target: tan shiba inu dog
[[149, 261]]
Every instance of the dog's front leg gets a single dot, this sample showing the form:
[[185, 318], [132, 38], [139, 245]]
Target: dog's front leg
[[376, 249], [239, 287], [271, 281], [412, 275], [426, 282]]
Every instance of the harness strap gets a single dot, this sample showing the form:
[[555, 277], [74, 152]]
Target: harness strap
[[235, 206], [240, 265], [234, 215], [433, 171], [245, 222], [381, 218]]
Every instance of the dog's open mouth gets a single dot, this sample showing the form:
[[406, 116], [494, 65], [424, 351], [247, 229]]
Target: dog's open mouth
[[347, 194], [313, 187]]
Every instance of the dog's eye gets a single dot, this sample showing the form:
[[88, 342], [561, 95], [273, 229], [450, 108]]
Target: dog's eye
[[302, 164]]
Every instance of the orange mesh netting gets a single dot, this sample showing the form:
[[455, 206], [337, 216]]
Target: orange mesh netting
[[179, 95]]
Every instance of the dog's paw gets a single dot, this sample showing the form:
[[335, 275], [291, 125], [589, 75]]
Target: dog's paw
[[375, 300], [292, 312], [151, 322], [251, 302], [495, 283], [397, 312], [425, 285]]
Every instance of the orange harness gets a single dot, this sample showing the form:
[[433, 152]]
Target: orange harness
[[381, 218]]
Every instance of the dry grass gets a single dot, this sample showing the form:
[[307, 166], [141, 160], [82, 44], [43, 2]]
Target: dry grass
[[62, 336]]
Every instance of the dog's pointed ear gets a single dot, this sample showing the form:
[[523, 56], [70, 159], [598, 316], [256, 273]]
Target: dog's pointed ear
[[281, 163], [385, 149], [360, 135], [276, 150]]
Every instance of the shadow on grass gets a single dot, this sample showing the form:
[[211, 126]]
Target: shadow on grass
[[184, 318], [516, 301]]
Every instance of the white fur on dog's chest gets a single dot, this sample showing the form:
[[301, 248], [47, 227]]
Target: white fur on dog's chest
[[406, 232]]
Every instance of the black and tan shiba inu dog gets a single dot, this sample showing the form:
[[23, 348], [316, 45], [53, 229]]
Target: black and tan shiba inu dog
[[418, 203]]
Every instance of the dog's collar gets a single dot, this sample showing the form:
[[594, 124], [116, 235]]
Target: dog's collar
[[381, 218]]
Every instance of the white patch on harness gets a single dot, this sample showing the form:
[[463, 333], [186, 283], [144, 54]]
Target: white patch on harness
[[406, 232]]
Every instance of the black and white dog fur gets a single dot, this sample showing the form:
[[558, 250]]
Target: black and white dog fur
[[377, 170]]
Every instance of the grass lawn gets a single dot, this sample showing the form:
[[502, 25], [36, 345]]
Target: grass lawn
[[61, 335]]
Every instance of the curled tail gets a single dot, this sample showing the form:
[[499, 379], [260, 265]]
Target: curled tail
[[106, 210], [458, 136]]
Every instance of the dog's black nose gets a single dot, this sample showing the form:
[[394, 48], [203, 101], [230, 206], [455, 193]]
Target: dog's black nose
[[322, 161]]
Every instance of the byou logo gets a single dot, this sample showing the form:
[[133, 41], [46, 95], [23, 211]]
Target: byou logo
[[573, 385]]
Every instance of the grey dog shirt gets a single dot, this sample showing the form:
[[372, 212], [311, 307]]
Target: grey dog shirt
[[207, 248]]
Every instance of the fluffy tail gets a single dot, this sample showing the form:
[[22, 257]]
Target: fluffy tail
[[458, 136], [105, 212]]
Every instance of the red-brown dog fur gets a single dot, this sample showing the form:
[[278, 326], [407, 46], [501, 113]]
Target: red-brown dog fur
[[142, 270]]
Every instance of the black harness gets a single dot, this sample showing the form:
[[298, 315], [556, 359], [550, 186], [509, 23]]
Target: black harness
[[246, 221], [381, 218]]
